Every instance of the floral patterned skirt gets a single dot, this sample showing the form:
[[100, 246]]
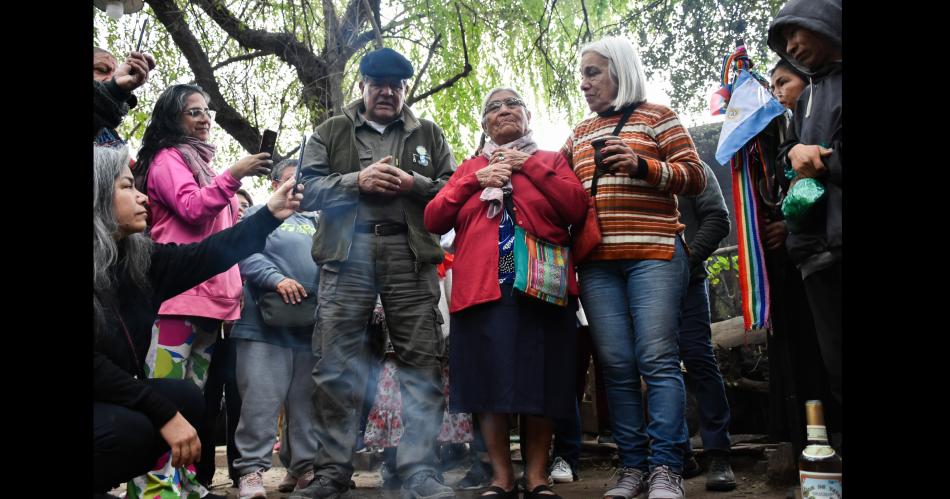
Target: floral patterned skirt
[[384, 425], [180, 349]]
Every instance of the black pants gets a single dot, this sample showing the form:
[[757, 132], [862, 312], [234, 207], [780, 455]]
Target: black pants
[[222, 380], [824, 295], [126, 444]]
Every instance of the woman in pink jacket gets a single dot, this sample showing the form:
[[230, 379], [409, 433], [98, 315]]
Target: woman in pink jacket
[[188, 202]]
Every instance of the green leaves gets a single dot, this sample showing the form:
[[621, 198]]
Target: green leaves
[[531, 45], [716, 265]]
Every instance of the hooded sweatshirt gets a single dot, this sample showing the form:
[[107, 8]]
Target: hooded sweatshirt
[[816, 121]]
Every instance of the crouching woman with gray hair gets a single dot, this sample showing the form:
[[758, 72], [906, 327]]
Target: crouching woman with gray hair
[[510, 353], [135, 419]]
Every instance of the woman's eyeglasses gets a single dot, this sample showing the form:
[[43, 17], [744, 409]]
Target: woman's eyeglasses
[[196, 112], [496, 104]]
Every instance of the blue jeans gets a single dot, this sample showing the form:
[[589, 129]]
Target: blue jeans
[[633, 307], [567, 439], [702, 370]]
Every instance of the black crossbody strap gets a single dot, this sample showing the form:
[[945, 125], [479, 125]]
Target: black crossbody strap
[[623, 121], [510, 207]]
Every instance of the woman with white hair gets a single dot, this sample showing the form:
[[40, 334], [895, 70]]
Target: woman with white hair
[[136, 419], [510, 353], [633, 283]]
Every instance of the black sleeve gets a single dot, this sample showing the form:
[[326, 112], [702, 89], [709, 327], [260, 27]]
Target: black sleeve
[[178, 267], [114, 385], [713, 219], [109, 105], [791, 140]]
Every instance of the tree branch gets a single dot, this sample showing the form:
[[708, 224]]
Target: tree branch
[[373, 19], [283, 45], [239, 58], [425, 65], [312, 71], [451, 81], [586, 22]]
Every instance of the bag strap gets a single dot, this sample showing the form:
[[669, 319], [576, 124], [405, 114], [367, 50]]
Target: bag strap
[[620, 124], [510, 207]]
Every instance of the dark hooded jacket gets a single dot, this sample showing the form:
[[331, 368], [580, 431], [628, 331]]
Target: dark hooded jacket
[[109, 105], [817, 121]]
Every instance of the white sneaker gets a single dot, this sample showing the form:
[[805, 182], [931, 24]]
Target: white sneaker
[[304, 479], [561, 472], [665, 484], [251, 485]]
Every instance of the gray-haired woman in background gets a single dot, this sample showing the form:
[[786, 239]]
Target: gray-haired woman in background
[[274, 362]]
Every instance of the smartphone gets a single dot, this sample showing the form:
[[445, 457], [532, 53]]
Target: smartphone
[[268, 141], [303, 146], [138, 46]]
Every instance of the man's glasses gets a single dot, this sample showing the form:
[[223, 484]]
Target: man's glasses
[[196, 112], [496, 104], [379, 85]]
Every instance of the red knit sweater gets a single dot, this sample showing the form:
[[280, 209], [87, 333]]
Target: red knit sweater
[[547, 198], [638, 217]]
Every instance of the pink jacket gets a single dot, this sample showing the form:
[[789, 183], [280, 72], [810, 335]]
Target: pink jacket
[[181, 212]]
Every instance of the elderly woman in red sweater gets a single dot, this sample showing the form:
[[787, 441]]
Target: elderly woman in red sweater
[[510, 353]]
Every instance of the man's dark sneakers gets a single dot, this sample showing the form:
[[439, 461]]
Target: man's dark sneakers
[[479, 476], [720, 476], [321, 487], [424, 485]]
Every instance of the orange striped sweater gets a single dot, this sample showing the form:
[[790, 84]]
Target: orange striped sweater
[[639, 217]]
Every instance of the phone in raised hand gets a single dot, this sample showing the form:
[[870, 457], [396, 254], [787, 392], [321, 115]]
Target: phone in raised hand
[[268, 141], [303, 145], [138, 46]]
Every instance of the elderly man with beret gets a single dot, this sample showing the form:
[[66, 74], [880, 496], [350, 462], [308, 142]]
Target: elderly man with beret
[[371, 170]]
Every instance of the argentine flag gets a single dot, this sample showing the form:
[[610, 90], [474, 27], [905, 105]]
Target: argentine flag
[[750, 109]]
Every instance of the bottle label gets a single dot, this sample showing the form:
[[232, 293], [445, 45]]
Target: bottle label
[[820, 485], [817, 432]]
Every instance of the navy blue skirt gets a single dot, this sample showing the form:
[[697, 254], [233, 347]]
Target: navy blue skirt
[[515, 355]]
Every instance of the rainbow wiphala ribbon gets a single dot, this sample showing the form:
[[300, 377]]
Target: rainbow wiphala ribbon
[[753, 280]]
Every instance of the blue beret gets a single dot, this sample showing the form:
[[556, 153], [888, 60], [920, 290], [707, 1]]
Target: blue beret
[[386, 63]]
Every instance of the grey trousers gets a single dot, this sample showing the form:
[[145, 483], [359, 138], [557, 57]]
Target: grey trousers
[[268, 377], [382, 265]]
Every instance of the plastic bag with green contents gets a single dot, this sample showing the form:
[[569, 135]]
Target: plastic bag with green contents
[[802, 203]]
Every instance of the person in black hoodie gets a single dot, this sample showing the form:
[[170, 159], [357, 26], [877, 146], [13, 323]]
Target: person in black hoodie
[[135, 420], [808, 34]]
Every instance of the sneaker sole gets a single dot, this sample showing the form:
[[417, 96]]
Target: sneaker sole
[[721, 487], [408, 494], [562, 479], [338, 495], [470, 487]]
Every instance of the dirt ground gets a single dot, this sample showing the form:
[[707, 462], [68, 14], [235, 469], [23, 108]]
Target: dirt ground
[[593, 482], [597, 474]]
